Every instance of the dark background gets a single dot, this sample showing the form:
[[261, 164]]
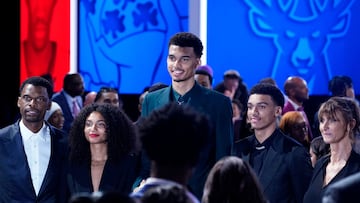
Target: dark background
[[10, 57]]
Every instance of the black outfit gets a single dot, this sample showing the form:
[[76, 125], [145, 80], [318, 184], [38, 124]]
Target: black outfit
[[118, 176], [316, 188], [343, 191], [282, 165]]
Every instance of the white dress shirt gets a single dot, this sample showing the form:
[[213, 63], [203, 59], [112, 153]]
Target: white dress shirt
[[37, 148]]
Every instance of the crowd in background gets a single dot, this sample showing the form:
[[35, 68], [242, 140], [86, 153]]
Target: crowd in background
[[194, 141]]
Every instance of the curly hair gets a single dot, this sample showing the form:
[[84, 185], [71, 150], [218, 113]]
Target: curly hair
[[120, 131], [187, 39]]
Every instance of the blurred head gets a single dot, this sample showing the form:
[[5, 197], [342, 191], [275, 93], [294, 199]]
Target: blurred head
[[318, 149], [341, 86], [204, 76], [294, 124], [169, 193], [55, 116], [73, 84], [296, 89], [108, 95], [231, 79], [232, 180]]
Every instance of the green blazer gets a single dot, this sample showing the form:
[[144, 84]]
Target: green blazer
[[218, 108]]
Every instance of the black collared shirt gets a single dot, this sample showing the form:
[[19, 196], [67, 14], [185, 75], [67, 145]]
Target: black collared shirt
[[258, 154]]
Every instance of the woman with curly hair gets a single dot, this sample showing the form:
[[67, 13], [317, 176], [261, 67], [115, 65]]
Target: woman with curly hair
[[103, 151]]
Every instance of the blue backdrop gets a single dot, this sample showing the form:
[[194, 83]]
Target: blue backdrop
[[123, 43]]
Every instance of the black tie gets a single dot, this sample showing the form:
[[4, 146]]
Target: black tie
[[180, 100]]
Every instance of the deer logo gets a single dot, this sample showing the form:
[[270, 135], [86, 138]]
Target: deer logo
[[301, 30]]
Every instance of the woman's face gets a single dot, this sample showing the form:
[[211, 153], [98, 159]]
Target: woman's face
[[333, 128], [95, 128]]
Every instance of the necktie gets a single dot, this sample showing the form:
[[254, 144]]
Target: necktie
[[181, 100], [75, 108]]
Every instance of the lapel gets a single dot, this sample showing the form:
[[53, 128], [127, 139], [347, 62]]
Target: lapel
[[164, 96], [16, 147], [51, 166], [272, 162]]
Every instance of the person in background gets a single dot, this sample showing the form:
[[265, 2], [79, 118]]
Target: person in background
[[233, 86], [282, 165], [170, 193], [70, 98], [293, 123], [338, 86], [33, 154], [55, 116], [89, 98], [173, 158], [103, 151], [297, 93], [109, 95], [184, 52], [343, 191], [237, 119], [339, 121], [318, 149], [204, 76], [232, 180]]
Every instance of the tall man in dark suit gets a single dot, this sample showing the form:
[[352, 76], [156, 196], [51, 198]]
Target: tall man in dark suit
[[70, 98], [282, 164], [33, 154], [185, 50]]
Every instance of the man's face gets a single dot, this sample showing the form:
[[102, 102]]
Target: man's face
[[203, 80], [181, 63], [33, 103], [110, 98]]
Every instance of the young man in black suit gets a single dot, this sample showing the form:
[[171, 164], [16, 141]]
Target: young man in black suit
[[33, 154], [282, 164]]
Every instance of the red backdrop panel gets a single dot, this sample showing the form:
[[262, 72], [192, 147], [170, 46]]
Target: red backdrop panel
[[45, 39]]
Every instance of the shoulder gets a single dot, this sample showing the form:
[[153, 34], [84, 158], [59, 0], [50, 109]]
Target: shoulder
[[9, 130]]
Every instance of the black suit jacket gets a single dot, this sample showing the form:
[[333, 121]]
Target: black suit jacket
[[316, 188], [118, 176], [218, 108], [15, 179], [286, 170], [344, 191]]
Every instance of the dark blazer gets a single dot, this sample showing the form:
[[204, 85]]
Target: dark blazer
[[219, 109], [344, 191], [286, 170], [118, 176], [68, 117], [316, 188], [15, 179]]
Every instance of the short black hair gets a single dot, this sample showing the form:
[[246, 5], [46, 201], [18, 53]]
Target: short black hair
[[180, 125], [271, 90], [187, 39], [38, 81], [338, 85]]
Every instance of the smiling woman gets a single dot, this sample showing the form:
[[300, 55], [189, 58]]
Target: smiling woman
[[102, 140]]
